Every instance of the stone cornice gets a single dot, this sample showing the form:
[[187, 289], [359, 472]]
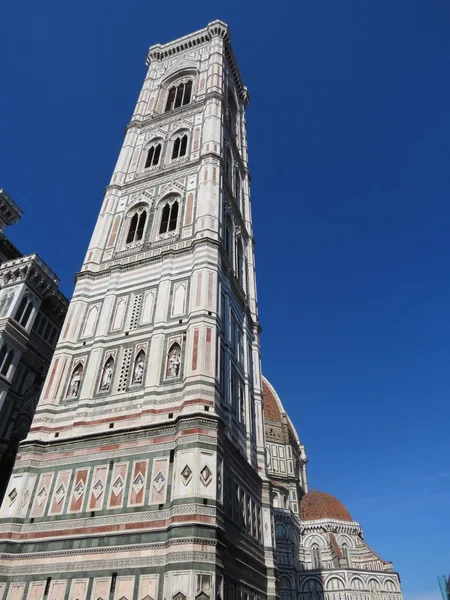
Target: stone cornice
[[9, 211], [31, 269], [331, 525], [160, 52]]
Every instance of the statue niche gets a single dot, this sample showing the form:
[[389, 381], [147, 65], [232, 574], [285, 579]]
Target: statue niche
[[138, 371], [75, 381], [105, 382], [173, 361]]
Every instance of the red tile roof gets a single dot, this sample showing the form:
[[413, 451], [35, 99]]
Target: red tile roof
[[319, 505]]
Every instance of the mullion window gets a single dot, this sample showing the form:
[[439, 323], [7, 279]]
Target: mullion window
[[141, 225], [183, 145], [157, 154], [137, 226], [150, 155], [170, 99], [187, 93], [165, 219], [173, 216], [180, 147], [179, 95], [176, 148], [169, 218], [132, 230]]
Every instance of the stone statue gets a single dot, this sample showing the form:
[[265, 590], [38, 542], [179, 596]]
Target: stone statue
[[75, 382], [107, 376], [174, 363], [138, 369]]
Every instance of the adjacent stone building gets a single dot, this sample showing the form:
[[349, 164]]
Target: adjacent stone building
[[31, 314], [160, 464]]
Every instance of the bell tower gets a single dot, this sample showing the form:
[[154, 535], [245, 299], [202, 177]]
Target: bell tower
[[143, 476]]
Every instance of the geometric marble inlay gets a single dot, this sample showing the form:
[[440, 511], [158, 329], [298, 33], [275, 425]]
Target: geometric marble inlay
[[41, 496], [97, 490], [117, 488], [186, 474], [79, 490], [138, 483], [12, 496], [206, 475], [60, 493], [159, 481]]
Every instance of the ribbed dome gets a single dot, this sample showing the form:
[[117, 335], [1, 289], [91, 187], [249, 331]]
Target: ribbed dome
[[271, 408], [319, 505]]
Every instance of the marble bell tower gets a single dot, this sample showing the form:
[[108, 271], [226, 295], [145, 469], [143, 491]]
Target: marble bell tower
[[143, 476]]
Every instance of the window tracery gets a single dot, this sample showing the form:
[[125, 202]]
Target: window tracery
[[137, 226], [315, 557], [179, 95], [153, 155], [6, 358], [179, 148], [24, 311], [167, 218]]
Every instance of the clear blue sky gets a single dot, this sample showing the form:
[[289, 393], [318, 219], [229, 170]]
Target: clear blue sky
[[349, 134]]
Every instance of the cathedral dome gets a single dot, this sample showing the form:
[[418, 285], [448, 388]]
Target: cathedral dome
[[271, 406], [319, 505]]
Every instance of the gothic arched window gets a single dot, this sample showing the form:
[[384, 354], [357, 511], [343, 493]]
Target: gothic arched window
[[153, 156], [137, 226], [237, 187], [240, 263], [228, 166], [7, 362], [6, 358], [229, 238], [180, 146], [315, 556], [346, 554], [24, 311], [179, 95], [169, 218]]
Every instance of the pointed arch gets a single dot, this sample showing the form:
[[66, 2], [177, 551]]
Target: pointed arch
[[316, 559], [107, 375], [135, 224], [90, 321], [7, 361], [178, 95], [153, 154], [119, 314], [178, 301], [179, 147], [138, 368], [173, 360], [3, 303], [228, 237], [21, 308], [75, 381], [346, 554], [169, 210]]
